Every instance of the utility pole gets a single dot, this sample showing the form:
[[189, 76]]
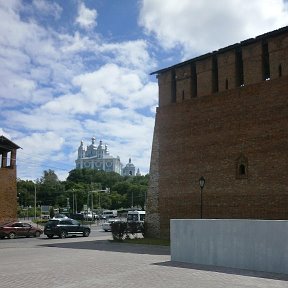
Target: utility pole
[[92, 204], [73, 200], [35, 193]]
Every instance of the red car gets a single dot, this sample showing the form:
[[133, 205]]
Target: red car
[[16, 229]]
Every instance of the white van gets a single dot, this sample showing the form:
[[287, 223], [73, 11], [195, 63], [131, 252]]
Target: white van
[[106, 214], [136, 216]]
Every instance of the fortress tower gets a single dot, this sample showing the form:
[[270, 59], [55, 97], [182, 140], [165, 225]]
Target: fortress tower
[[226, 115]]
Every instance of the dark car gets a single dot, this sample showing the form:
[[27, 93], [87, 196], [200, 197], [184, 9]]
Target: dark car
[[15, 229], [64, 227]]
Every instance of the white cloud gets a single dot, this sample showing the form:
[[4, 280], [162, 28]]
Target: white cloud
[[41, 142], [29, 57], [110, 85], [47, 8], [204, 25], [130, 54], [86, 17], [77, 43], [37, 149], [75, 104], [5, 134]]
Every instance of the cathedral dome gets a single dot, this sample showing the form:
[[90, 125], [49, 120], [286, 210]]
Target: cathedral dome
[[100, 146]]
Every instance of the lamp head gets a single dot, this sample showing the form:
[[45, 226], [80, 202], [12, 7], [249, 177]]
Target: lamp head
[[202, 182]]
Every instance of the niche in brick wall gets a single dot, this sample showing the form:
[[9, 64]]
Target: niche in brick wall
[[241, 167]]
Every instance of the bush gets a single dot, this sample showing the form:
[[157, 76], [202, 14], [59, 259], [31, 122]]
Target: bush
[[119, 230], [136, 227], [122, 230]]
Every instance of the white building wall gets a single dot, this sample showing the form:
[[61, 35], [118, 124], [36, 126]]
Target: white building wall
[[259, 245]]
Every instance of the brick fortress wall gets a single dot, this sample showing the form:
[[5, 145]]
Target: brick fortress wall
[[8, 184], [8, 197], [218, 112]]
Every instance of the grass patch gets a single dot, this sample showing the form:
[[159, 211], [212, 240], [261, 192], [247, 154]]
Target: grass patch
[[147, 241]]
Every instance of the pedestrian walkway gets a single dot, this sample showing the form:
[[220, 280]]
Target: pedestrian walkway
[[98, 262]]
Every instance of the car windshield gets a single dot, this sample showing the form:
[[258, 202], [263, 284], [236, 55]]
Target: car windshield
[[132, 217], [60, 216]]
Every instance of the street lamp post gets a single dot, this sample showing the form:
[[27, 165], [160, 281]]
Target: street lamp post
[[35, 208], [202, 184], [73, 202], [107, 190], [92, 202]]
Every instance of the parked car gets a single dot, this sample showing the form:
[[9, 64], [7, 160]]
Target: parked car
[[107, 225], [88, 216], [17, 229], [60, 216], [107, 214], [77, 216], [64, 227]]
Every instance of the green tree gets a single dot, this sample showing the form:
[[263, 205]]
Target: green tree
[[51, 212], [48, 188], [25, 192], [124, 191]]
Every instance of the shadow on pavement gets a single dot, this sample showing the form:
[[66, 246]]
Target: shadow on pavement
[[106, 245], [217, 269]]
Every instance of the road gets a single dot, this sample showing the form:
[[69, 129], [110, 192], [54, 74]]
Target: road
[[96, 234], [96, 262]]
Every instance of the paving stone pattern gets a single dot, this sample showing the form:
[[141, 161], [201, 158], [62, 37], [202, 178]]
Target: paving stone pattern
[[94, 262]]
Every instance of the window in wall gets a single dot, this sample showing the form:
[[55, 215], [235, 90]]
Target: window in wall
[[8, 159], [265, 61], [215, 87], [241, 167], [239, 68], [193, 80], [280, 70], [226, 84], [173, 87]]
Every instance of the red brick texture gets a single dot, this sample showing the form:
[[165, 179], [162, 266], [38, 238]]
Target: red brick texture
[[208, 135], [8, 194]]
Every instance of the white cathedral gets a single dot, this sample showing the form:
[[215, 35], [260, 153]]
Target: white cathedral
[[98, 157]]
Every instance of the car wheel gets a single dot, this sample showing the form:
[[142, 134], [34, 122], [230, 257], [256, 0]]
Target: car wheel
[[86, 233], [12, 235], [50, 236], [37, 234], [63, 234]]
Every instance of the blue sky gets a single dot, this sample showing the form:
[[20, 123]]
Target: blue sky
[[74, 69]]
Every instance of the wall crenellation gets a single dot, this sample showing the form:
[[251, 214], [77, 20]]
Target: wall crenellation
[[246, 63]]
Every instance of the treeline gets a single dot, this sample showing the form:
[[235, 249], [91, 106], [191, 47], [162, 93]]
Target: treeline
[[82, 187]]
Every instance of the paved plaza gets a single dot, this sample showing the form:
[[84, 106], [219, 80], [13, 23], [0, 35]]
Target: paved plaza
[[97, 262]]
